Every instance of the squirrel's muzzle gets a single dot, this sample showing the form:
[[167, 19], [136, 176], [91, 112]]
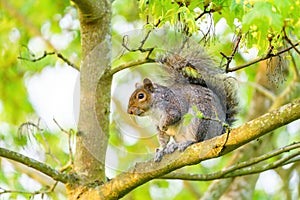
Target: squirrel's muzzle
[[134, 111]]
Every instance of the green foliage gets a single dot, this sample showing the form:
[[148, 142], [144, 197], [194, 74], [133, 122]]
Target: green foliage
[[187, 118], [258, 20], [262, 19]]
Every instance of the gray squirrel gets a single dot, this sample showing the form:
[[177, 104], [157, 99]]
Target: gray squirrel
[[198, 103]]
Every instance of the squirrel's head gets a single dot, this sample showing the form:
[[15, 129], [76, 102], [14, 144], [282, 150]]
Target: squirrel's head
[[140, 100]]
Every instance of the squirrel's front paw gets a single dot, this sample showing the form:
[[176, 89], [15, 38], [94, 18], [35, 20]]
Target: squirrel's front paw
[[170, 148], [158, 155]]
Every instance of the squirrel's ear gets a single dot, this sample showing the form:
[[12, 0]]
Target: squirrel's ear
[[148, 85]]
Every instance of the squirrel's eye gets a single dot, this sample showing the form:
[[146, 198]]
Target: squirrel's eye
[[141, 96]]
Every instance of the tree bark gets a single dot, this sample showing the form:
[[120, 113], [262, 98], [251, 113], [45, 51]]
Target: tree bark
[[95, 86]]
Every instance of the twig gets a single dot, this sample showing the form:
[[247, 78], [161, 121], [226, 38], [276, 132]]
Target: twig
[[205, 12], [30, 162], [229, 58], [140, 48], [69, 133], [202, 14], [27, 125], [142, 42], [205, 37], [41, 192], [49, 152], [279, 163], [242, 168], [47, 146], [289, 41], [59, 55], [270, 55]]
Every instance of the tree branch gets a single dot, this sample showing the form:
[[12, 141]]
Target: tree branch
[[46, 169], [241, 168], [38, 176], [131, 64], [143, 172], [269, 55], [41, 192], [59, 55], [289, 41], [234, 50]]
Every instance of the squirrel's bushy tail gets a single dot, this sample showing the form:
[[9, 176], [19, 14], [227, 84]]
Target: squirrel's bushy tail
[[197, 67]]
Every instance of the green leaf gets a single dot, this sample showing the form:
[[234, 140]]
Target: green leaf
[[187, 118], [199, 115], [265, 15]]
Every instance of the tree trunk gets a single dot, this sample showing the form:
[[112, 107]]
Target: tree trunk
[[95, 86]]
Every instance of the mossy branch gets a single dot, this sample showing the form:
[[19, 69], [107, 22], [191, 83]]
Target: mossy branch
[[143, 172]]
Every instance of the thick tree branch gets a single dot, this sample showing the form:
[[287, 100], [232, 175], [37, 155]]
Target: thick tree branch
[[143, 172], [46, 169]]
